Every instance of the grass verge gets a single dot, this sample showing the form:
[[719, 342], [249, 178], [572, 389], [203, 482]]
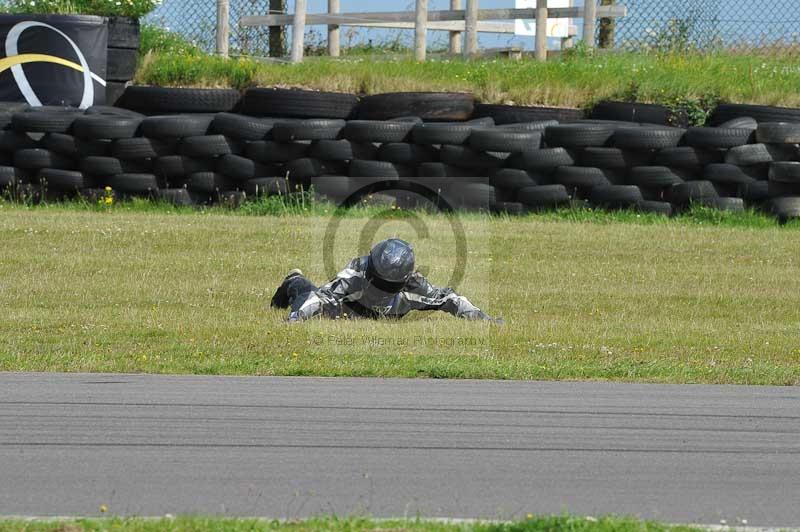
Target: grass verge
[[682, 80], [306, 205], [545, 524], [651, 300]]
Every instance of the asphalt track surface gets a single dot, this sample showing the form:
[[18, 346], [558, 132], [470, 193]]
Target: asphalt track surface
[[287, 448]]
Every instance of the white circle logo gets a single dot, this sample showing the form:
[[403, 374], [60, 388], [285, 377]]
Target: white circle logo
[[14, 60]]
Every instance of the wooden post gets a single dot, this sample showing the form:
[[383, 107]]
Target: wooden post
[[471, 27], [299, 31], [334, 48], [540, 51], [277, 34], [589, 22], [421, 30], [608, 27], [223, 27], [455, 36]]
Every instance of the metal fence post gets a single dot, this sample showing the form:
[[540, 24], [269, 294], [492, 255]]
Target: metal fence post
[[299, 31], [608, 28], [541, 30], [421, 30], [589, 22], [223, 27], [277, 34], [471, 23], [455, 36], [334, 48]]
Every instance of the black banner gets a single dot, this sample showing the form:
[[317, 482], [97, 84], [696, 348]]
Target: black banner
[[53, 59]]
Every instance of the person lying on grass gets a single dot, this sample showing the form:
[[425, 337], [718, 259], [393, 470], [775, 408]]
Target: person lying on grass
[[383, 284]]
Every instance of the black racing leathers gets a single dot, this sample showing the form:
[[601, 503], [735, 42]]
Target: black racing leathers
[[352, 295]]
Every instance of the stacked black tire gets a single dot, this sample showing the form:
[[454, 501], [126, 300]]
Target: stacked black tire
[[282, 141], [123, 54], [665, 169]]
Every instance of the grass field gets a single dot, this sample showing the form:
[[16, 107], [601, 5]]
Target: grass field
[[652, 300], [680, 79], [542, 524]]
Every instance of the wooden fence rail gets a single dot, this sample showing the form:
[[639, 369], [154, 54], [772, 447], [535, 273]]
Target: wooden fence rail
[[470, 21]]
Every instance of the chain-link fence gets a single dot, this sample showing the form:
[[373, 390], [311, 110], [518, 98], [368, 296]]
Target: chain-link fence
[[197, 21], [760, 26]]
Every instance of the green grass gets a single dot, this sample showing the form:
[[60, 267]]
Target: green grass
[[541, 524], [105, 8], [686, 80], [306, 205], [158, 40], [694, 299]]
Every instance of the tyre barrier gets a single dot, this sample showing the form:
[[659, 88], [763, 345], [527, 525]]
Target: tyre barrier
[[205, 158], [124, 38]]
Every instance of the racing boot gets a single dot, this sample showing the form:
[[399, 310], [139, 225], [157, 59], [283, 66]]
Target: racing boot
[[281, 297]]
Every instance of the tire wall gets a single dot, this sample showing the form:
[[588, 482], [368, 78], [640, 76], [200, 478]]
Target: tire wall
[[123, 53], [224, 156]]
